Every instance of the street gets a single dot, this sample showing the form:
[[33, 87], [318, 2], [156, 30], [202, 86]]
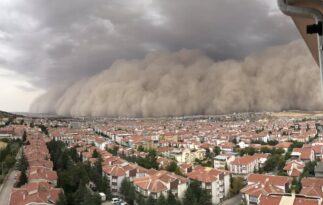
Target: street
[[233, 201], [6, 188]]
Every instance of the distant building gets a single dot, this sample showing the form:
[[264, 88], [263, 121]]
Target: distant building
[[75, 125]]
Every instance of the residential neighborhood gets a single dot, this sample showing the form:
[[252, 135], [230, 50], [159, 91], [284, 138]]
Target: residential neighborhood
[[159, 161]]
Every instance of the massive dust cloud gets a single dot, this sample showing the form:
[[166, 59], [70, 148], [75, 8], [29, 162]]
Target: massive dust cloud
[[188, 82]]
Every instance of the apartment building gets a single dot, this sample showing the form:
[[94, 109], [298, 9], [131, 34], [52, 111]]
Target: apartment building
[[260, 185], [216, 182], [156, 183]]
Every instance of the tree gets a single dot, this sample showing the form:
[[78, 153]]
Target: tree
[[171, 199], [91, 199], [23, 179], [217, 150], [150, 161], [172, 167], [205, 198], [151, 201], [23, 163], [195, 195], [127, 190], [140, 200], [113, 151], [24, 136], [124, 188], [296, 185], [95, 154], [189, 197], [106, 187], [10, 161], [270, 164], [236, 185], [309, 169], [208, 153], [247, 151], [80, 194], [161, 200], [141, 148]]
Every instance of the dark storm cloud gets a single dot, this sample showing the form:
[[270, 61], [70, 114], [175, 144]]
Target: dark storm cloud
[[62, 41]]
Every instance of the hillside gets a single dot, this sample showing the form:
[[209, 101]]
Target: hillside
[[4, 114]]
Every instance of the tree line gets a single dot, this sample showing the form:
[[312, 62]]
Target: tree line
[[80, 181]]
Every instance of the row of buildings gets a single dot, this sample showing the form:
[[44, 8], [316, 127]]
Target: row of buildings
[[42, 179]]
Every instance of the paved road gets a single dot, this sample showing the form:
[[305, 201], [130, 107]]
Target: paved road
[[6, 188], [233, 201]]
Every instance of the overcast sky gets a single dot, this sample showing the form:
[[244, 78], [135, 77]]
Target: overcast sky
[[49, 43]]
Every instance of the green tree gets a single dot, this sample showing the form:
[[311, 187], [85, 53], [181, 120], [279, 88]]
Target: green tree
[[127, 190], [24, 136], [151, 201], [10, 160], [113, 151], [95, 154], [150, 161], [296, 185], [217, 150], [309, 169], [91, 199], [81, 192], [236, 185], [141, 148], [22, 163], [106, 187], [172, 167], [247, 151], [171, 199], [161, 200], [23, 179], [124, 188], [205, 198], [196, 195], [140, 200], [190, 197]]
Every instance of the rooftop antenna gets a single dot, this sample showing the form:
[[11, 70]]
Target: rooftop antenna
[[308, 17]]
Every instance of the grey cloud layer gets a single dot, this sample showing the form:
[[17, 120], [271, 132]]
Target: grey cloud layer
[[62, 41], [187, 82]]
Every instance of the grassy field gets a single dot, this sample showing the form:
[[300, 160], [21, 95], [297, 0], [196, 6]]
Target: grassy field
[[3, 145]]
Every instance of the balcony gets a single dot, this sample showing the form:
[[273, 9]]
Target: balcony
[[220, 195]]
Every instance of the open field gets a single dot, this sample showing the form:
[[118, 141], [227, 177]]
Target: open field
[[3, 145]]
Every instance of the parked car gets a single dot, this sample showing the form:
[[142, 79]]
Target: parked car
[[116, 201]]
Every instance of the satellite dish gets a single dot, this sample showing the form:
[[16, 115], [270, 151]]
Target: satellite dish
[[308, 17]]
